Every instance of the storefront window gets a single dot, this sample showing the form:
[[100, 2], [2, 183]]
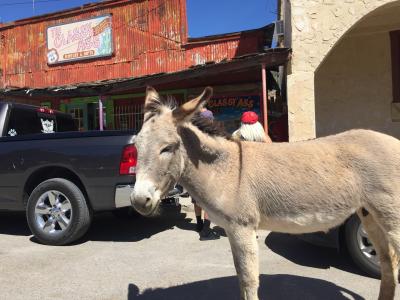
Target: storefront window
[[228, 110], [77, 115], [128, 114]]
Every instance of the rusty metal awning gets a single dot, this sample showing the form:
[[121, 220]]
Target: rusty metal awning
[[238, 70]]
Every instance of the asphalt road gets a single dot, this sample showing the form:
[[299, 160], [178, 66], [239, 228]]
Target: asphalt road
[[163, 258]]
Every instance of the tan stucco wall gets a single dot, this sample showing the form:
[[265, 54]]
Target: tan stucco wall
[[353, 87], [313, 28]]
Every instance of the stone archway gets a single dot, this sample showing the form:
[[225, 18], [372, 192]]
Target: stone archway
[[353, 84], [316, 28]]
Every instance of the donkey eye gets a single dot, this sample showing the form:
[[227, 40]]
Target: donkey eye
[[167, 149]]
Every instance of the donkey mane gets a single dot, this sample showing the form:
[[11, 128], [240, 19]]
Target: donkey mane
[[203, 124], [209, 127]]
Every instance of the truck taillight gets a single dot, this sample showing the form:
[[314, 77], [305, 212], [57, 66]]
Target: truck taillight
[[128, 161]]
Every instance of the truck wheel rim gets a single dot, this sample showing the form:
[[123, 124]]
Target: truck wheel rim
[[53, 212], [366, 247]]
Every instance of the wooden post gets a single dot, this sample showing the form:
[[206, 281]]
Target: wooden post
[[3, 45], [264, 97]]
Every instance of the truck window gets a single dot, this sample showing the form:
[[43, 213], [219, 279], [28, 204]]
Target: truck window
[[65, 123], [23, 122], [29, 121]]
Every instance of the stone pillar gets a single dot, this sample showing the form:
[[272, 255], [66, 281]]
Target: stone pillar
[[301, 106]]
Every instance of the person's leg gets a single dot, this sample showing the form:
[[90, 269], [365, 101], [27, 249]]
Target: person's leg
[[206, 223], [199, 220], [207, 233]]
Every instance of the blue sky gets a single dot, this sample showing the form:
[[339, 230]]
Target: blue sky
[[205, 17]]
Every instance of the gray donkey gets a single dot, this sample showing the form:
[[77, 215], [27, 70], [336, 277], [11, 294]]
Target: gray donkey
[[285, 187]]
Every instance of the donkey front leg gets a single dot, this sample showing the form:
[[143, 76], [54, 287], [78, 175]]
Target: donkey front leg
[[245, 257]]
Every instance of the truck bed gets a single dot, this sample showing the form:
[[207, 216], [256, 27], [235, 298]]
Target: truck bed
[[94, 157]]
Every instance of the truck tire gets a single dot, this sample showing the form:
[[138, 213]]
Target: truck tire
[[57, 212], [360, 248]]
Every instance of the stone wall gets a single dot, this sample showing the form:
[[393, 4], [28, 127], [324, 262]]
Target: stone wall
[[353, 87], [313, 28]]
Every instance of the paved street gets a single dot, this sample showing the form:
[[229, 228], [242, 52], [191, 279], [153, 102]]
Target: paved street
[[163, 259]]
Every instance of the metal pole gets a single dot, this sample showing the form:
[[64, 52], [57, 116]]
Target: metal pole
[[264, 97], [3, 44], [101, 113]]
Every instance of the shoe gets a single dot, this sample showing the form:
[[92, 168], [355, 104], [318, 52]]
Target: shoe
[[207, 235]]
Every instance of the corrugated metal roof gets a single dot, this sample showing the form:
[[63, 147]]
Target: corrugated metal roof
[[272, 58], [231, 35], [217, 48], [149, 37]]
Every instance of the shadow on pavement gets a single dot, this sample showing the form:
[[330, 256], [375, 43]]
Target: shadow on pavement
[[14, 223], [280, 286], [107, 227], [305, 254]]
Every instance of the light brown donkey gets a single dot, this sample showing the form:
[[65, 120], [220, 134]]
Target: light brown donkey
[[289, 187]]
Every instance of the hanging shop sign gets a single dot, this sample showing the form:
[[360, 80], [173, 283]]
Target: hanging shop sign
[[228, 110], [79, 40]]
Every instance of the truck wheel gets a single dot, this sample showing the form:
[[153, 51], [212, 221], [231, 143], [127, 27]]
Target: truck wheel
[[360, 248], [57, 212]]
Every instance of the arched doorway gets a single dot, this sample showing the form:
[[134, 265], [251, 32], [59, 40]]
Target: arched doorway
[[353, 84]]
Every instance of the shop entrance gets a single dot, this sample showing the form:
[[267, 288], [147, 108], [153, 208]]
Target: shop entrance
[[79, 114], [86, 115]]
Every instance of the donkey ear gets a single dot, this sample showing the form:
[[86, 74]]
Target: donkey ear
[[186, 111], [152, 103]]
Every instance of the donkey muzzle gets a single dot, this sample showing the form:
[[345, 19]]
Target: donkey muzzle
[[144, 197]]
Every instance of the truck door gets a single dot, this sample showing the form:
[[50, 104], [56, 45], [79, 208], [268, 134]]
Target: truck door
[[20, 122]]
